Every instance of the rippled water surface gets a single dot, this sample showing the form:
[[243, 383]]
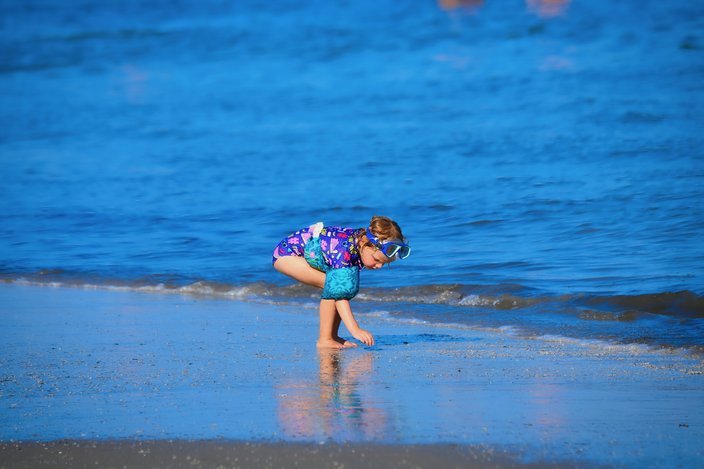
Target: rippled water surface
[[544, 158]]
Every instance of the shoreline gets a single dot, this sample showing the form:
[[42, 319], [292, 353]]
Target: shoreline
[[223, 453], [143, 369], [202, 291]]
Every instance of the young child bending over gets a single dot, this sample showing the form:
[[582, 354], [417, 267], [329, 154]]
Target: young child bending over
[[330, 257]]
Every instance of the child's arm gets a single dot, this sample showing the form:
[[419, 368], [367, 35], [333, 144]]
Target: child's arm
[[345, 311]]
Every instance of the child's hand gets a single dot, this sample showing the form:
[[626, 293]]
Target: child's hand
[[364, 336]]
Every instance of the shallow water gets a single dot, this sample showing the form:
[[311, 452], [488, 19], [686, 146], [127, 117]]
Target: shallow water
[[97, 365], [544, 161]]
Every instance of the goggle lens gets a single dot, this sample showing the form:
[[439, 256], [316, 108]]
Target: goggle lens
[[404, 252], [391, 250]]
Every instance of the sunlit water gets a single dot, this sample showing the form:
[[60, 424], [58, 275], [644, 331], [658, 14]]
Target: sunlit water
[[544, 158]]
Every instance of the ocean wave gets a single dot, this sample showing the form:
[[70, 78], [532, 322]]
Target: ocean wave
[[198, 288], [452, 295], [684, 305]]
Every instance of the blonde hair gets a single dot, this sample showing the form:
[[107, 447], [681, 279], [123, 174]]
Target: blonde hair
[[384, 228]]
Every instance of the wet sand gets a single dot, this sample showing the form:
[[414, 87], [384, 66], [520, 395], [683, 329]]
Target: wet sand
[[164, 453], [115, 376]]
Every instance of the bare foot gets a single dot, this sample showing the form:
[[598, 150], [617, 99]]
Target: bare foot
[[345, 343], [336, 343], [329, 343]]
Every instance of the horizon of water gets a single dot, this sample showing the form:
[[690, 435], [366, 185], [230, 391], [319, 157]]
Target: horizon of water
[[543, 158]]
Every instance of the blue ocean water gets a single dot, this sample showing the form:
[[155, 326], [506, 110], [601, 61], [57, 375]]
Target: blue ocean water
[[543, 157]]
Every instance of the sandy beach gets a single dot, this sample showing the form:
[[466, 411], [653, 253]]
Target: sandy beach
[[219, 453], [543, 160], [115, 376]]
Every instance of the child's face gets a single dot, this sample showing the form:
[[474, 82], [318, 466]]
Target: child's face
[[372, 258]]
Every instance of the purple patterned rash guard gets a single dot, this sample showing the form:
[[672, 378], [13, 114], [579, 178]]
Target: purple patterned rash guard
[[330, 249]]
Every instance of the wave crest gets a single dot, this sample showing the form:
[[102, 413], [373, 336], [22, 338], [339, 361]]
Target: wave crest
[[683, 304]]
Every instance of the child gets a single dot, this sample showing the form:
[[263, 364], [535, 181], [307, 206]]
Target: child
[[331, 258]]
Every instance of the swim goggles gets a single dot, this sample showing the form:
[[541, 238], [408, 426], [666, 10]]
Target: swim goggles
[[390, 248]]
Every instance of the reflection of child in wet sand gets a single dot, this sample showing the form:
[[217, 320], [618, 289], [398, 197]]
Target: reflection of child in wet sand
[[339, 406], [339, 384], [330, 257]]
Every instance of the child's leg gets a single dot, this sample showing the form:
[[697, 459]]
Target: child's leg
[[297, 268], [336, 325], [329, 327], [328, 312]]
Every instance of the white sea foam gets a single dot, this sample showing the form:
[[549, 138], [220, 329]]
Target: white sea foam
[[389, 317], [597, 346], [600, 345]]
